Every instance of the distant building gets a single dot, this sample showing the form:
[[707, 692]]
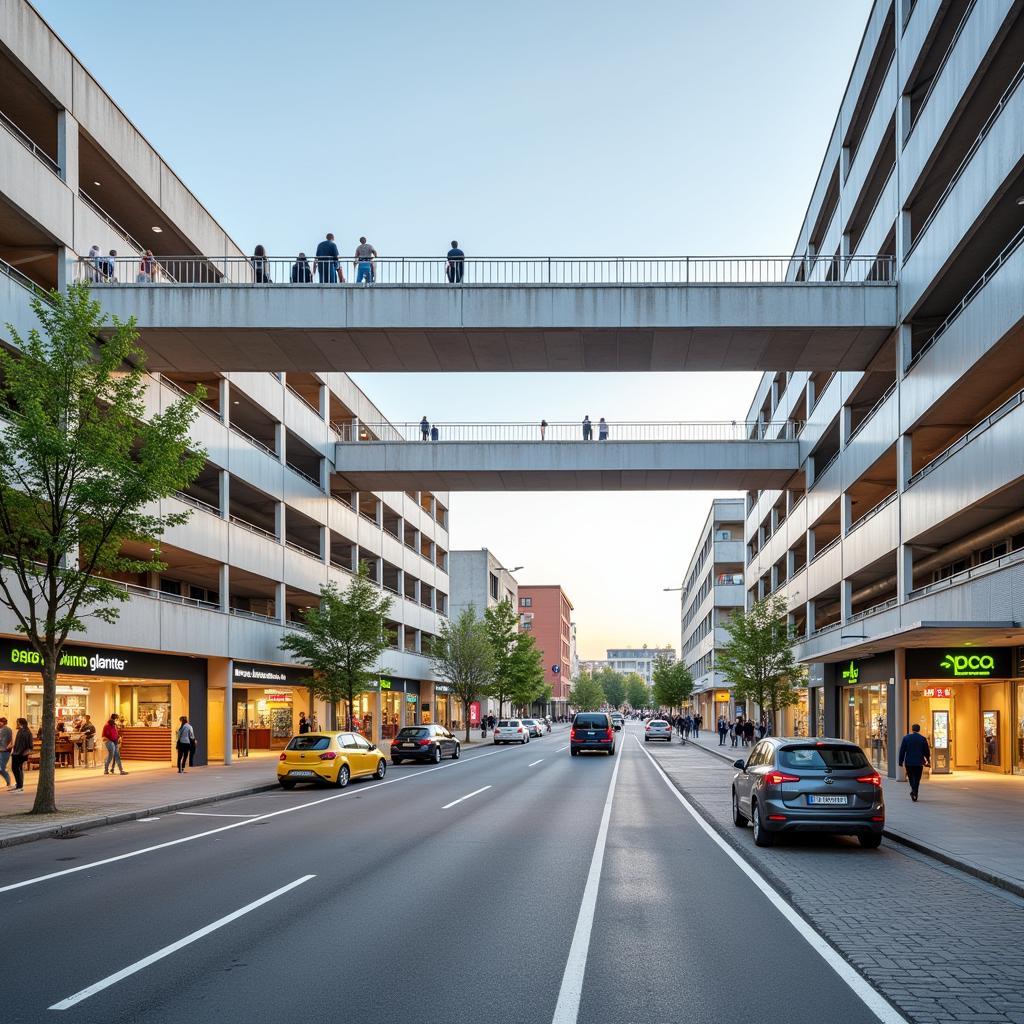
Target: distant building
[[546, 613], [631, 659]]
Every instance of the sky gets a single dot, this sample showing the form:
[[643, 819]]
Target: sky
[[543, 127]]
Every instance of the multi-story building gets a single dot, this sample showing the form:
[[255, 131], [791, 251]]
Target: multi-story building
[[712, 590], [545, 612], [632, 659], [899, 543], [273, 519]]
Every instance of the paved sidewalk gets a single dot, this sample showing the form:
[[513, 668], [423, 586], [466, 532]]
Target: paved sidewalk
[[971, 820]]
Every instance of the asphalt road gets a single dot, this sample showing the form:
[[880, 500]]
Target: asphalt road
[[403, 908]]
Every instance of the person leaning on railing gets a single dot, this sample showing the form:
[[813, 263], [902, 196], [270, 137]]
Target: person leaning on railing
[[301, 272], [328, 261], [260, 266]]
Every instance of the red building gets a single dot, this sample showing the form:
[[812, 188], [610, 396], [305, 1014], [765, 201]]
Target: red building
[[546, 613]]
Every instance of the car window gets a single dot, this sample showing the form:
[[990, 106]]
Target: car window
[[822, 757], [757, 756], [362, 743], [413, 733], [308, 742], [504, 723], [595, 721], [348, 741]]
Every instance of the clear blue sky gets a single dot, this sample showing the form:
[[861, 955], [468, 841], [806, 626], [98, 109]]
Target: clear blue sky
[[662, 127]]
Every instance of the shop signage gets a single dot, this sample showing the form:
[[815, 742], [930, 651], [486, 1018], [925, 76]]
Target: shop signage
[[439, 688], [721, 696], [280, 696], [944, 663], [247, 672], [474, 712], [385, 684], [411, 698], [851, 674], [82, 661], [969, 664], [937, 691]]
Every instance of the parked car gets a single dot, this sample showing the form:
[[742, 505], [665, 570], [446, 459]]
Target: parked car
[[332, 757], [617, 720], [657, 729], [807, 785], [511, 730], [535, 727], [592, 730], [424, 743]]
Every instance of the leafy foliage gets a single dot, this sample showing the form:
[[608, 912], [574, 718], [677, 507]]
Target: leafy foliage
[[502, 625], [464, 659], [586, 693], [638, 694], [526, 670], [614, 685], [673, 683]]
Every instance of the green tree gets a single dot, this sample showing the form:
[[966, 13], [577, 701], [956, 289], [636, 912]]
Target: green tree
[[502, 625], [673, 683], [638, 695], [80, 470], [526, 672], [758, 657], [586, 693], [343, 641], [464, 659], [614, 685]]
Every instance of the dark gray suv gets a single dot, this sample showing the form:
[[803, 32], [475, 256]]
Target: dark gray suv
[[808, 785]]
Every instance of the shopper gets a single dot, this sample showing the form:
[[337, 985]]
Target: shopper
[[6, 742], [260, 266], [588, 429], [20, 750], [915, 756], [602, 430], [748, 732], [424, 429], [303, 723], [186, 736], [456, 264], [328, 264], [363, 261], [112, 741], [301, 272], [723, 729], [734, 730], [88, 745], [697, 722]]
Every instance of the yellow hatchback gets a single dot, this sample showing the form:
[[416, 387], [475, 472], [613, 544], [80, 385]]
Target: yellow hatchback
[[332, 757]]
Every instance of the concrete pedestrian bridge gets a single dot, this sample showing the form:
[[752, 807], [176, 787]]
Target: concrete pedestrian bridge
[[540, 315], [513, 457]]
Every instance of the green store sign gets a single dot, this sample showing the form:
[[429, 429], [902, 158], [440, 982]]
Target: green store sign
[[969, 666], [960, 663], [850, 674]]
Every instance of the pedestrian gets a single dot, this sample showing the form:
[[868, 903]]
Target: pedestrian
[[915, 755], [434, 434], [687, 726], [697, 721], [456, 264], [301, 272], [734, 732], [6, 742], [88, 731], [147, 266], [588, 430], [328, 264], [424, 429], [314, 725], [363, 261], [112, 741], [543, 428], [748, 732], [183, 742], [93, 269], [108, 266], [303, 723], [723, 729], [260, 266], [602, 430], [21, 747]]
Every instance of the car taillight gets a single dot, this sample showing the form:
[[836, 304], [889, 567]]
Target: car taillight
[[608, 734], [425, 743], [496, 731], [776, 778], [520, 729], [330, 755], [572, 734], [283, 757], [647, 728], [874, 779]]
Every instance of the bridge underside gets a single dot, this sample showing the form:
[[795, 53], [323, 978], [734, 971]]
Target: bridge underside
[[561, 466], [217, 328]]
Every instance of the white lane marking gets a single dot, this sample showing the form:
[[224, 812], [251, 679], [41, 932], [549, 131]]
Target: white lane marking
[[204, 814], [532, 763], [365, 788], [126, 972], [872, 999], [147, 819], [466, 797], [568, 1006], [560, 749]]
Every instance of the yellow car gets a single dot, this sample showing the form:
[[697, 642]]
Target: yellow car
[[333, 757]]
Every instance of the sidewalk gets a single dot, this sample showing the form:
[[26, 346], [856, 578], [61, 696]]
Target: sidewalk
[[973, 821], [88, 799]]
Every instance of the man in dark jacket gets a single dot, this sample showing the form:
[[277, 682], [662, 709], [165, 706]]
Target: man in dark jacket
[[914, 755]]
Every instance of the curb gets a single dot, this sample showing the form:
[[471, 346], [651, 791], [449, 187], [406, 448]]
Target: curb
[[71, 828], [1000, 881]]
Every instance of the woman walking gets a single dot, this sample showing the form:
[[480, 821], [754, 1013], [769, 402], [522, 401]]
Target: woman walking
[[185, 738], [20, 751], [112, 741]]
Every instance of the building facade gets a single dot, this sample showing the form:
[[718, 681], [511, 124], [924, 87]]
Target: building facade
[[272, 517], [628, 660], [545, 612], [899, 544], [712, 590]]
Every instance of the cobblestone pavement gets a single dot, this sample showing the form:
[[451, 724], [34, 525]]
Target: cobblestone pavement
[[940, 945]]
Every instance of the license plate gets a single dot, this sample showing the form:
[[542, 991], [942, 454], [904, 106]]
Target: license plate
[[408, 746], [828, 800], [302, 771], [590, 735]]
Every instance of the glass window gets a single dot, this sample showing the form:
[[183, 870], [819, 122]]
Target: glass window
[[348, 741], [414, 733], [865, 720], [362, 744], [309, 742], [822, 757], [595, 721]]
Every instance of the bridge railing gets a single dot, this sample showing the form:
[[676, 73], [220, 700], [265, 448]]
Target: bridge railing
[[562, 431], [489, 271]]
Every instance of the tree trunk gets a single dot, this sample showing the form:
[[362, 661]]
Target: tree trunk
[[465, 714], [46, 798]]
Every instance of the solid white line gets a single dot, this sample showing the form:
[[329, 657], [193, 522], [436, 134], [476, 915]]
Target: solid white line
[[207, 814], [568, 1006], [532, 763], [466, 797], [113, 979], [872, 999], [365, 788], [560, 749]]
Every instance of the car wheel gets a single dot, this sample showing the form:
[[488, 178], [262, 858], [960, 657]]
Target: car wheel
[[436, 758], [762, 837], [574, 752], [739, 819], [343, 776], [382, 768], [287, 783], [396, 760], [870, 840], [611, 753], [646, 739], [457, 752]]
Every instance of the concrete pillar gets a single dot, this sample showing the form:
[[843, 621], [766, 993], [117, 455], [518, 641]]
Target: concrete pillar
[[845, 426], [354, 428], [904, 571], [790, 563], [845, 600], [325, 545], [229, 737], [279, 443], [810, 397], [809, 472], [844, 163], [810, 546], [898, 705], [845, 513], [811, 613], [224, 586], [775, 395], [224, 488], [323, 401], [279, 603], [279, 521], [224, 400], [66, 260], [324, 474], [67, 149], [904, 461]]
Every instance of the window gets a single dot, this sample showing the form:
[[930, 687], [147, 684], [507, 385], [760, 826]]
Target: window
[[494, 586], [817, 758], [348, 741], [307, 742], [526, 602], [362, 744]]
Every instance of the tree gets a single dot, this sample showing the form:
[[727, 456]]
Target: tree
[[758, 657], [464, 659], [638, 695], [586, 693], [80, 469], [343, 641], [673, 683], [502, 625], [614, 685], [526, 671]]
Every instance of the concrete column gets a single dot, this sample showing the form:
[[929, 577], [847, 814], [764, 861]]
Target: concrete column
[[844, 163], [809, 472], [279, 523], [810, 546], [325, 545], [811, 613], [224, 400], [845, 600], [790, 564], [904, 461], [904, 571], [65, 267], [845, 513], [354, 428], [773, 578], [224, 481], [897, 712], [224, 585], [229, 738], [279, 442], [775, 395], [845, 426], [279, 603], [323, 402], [810, 397], [67, 149], [324, 474], [773, 520]]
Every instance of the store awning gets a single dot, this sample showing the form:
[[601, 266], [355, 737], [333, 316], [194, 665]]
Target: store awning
[[852, 642]]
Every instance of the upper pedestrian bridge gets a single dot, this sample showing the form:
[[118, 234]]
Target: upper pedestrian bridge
[[204, 314]]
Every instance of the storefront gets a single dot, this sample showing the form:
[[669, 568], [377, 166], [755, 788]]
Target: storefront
[[441, 710], [864, 705], [797, 717], [266, 701]]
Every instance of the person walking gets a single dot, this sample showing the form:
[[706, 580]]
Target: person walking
[[734, 728], [260, 266], [301, 272], [748, 732], [21, 747], [697, 721], [543, 428], [602, 430], [723, 729], [588, 429], [303, 723], [915, 756], [6, 742], [328, 262], [112, 741], [183, 742], [456, 264], [424, 429], [363, 261]]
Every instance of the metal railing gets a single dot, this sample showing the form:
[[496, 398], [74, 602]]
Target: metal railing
[[253, 441], [308, 552], [246, 525], [937, 73], [204, 406], [23, 280], [872, 512], [502, 270], [828, 547], [40, 154], [965, 575], [882, 606], [111, 222], [197, 503], [871, 412], [561, 431], [305, 476]]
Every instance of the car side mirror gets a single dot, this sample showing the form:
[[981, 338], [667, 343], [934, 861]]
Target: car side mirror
[[741, 764]]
